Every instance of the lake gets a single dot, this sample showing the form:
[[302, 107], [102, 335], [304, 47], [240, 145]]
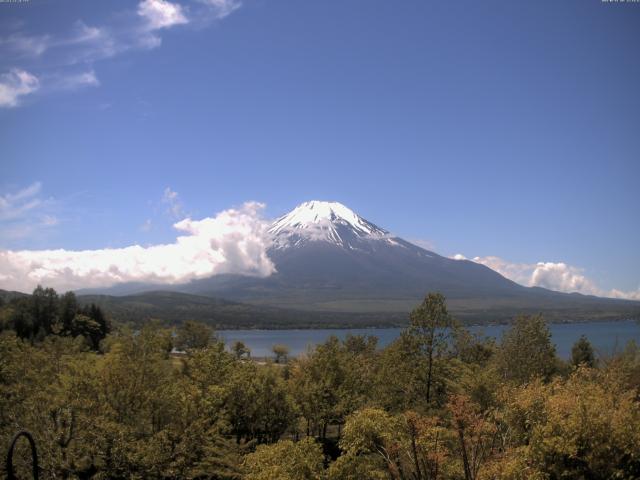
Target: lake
[[604, 336]]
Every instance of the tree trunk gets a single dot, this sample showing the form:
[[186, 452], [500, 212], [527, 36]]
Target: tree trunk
[[429, 372], [416, 461], [465, 458]]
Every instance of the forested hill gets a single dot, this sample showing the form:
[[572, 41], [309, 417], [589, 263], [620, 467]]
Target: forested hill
[[7, 295], [175, 308]]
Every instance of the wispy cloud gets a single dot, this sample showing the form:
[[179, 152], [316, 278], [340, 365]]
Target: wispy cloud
[[146, 226], [25, 211], [20, 44], [233, 241], [175, 207], [222, 8], [50, 62], [76, 80], [15, 84], [17, 205], [423, 243], [557, 276]]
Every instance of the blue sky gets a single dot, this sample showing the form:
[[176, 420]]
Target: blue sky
[[488, 129]]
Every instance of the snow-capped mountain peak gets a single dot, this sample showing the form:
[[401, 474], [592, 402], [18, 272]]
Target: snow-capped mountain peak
[[330, 222]]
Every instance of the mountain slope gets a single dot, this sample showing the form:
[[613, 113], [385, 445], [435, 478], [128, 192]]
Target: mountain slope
[[325, 247], [175, 307], [330, 259], [7, 295]]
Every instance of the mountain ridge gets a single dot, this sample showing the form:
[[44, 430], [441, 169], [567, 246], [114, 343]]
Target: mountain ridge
[[330, 260]]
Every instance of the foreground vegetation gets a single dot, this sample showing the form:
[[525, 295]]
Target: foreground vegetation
[[438, 403]]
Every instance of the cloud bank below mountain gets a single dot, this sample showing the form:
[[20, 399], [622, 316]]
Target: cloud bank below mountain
[[233, 241], [557, 276]]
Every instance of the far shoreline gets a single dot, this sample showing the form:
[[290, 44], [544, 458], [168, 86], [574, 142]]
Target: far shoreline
[[391, 326]]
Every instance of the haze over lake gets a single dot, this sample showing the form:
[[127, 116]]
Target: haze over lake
[[606, 337]]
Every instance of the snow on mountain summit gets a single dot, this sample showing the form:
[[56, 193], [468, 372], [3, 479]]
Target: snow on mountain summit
[[308, 215], [331, 222]]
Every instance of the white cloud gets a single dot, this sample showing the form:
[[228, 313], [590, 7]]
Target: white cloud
[[632, 295], [26, 45], [563, 277], [175, 207], [146, 226], [557, 276], [52, 55], [16, 205], [83, 79], [74, 81], [50, 220], [88, 44], [81, 44], [83, 33], [234, 241], [169, 195], [18, 45], [161, 14], [15, 84], [25, 212], [223, 8], [423, 243]]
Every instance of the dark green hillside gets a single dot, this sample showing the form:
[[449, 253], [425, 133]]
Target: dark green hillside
[[306, 310], [6, 295], [175, 307]]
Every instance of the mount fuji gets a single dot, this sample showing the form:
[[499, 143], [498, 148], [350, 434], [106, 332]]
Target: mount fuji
[[329, 222], [329, 259], [334, 268]]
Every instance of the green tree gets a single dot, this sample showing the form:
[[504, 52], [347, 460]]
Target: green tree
[[477, 435], [240, 350], [286, 460], [281, 352], [378, 445], [400, 379], [44, 308], [526, 351], [86, 327], [587, 426], [96, 313], [257, 403], [332, 380], [359, 361], [22, 320], [472, 348], [431, 326], [44, 313], [582, 353], [193, 335], [67, 311], [209, 368]]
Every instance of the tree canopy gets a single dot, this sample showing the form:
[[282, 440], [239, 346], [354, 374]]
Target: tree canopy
[[128, 407]]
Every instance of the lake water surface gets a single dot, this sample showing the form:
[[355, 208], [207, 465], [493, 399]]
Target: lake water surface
[[604, 336]]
